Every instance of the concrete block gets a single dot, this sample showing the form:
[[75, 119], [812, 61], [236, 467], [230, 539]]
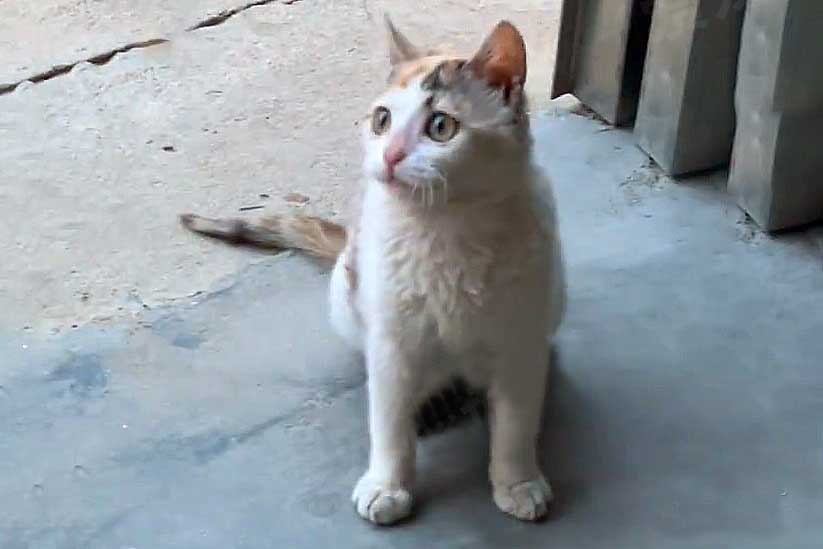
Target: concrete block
[[686, 118], [777, 165], [600, 54]]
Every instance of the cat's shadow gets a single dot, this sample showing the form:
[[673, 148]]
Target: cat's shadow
[[563, 437]]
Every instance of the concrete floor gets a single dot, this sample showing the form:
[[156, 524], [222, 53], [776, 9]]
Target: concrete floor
[[684, 410], [161, 391], [95, 164]]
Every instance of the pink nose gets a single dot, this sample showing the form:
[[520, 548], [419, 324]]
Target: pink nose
[[393, 156]]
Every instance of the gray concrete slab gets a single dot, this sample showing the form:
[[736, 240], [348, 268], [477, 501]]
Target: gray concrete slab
[[683, 413], [37, 36]]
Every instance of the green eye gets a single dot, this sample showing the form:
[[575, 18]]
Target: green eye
[[441, 127], [380, 120]]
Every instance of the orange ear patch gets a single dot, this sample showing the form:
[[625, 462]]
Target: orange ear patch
[[407, 72], [501, 60]]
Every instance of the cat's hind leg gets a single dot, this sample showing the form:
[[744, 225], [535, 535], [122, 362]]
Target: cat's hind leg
[[345, 316]]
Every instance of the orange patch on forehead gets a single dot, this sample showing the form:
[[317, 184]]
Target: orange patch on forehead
[[407, 72]]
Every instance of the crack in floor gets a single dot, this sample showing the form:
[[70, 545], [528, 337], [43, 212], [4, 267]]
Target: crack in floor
[[99, 59], [224, 15], [104, 58]]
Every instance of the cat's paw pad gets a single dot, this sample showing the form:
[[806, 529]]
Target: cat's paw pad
[[526, 500], [380, 504]]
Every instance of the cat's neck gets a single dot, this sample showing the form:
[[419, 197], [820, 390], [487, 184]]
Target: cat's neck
[[483, 213]]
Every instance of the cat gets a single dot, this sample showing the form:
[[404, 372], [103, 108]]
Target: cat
[[454, 267]]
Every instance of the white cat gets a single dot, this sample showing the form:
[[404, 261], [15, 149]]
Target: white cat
[[453, 268]]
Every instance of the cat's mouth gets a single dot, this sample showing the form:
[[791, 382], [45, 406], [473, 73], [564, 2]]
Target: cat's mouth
[[396, 184], [402, 187]]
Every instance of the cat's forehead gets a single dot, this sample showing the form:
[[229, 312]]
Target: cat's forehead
[[405, 74], [405, 100], [407, 83]]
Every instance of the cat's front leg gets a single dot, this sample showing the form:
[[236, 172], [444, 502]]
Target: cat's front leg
[[516, 396], [383, 493]]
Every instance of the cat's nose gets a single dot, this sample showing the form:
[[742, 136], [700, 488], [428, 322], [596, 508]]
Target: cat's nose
[[393, 156]]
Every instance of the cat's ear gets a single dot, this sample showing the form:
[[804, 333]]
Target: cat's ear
[[501, 60], [401, 50]]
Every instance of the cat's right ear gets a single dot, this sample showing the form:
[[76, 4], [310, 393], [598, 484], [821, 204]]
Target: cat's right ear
[[400, 49], [501, 61]]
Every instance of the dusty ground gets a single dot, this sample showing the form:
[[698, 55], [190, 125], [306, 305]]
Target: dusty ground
[[96, 163]]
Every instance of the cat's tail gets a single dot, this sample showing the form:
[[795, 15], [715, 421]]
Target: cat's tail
[[315, 236]]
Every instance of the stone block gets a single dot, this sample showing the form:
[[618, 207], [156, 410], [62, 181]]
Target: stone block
[[600, 54], [686, 118], [777, 164]]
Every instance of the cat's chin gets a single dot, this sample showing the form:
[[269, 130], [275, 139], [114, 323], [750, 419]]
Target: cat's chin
[[395, 186], [401, 188]]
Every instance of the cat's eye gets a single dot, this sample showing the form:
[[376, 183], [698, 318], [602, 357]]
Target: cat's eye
[[441, 127], [380, 120]]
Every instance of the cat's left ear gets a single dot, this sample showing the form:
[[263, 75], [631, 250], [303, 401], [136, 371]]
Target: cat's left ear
[[401, 50], [501, 60]]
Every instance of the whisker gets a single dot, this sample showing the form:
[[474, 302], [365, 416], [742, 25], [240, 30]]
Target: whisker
[[445, 186]]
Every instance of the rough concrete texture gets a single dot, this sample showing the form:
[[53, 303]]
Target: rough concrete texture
[[683, 411], [686, 117], [97, 163], [592, 56], [38, 36], [776, 162]]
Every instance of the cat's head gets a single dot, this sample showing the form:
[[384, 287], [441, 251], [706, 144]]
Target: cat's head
[[446, 127]]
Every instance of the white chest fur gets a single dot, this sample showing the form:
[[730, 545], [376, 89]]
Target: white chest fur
[[457, 273]]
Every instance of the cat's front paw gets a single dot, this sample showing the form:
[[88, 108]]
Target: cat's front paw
[[525, 500], [379, 503]]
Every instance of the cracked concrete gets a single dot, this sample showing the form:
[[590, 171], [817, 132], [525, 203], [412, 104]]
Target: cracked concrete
[[101, 58], [36, 36], [97, 163], [225, 15]]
